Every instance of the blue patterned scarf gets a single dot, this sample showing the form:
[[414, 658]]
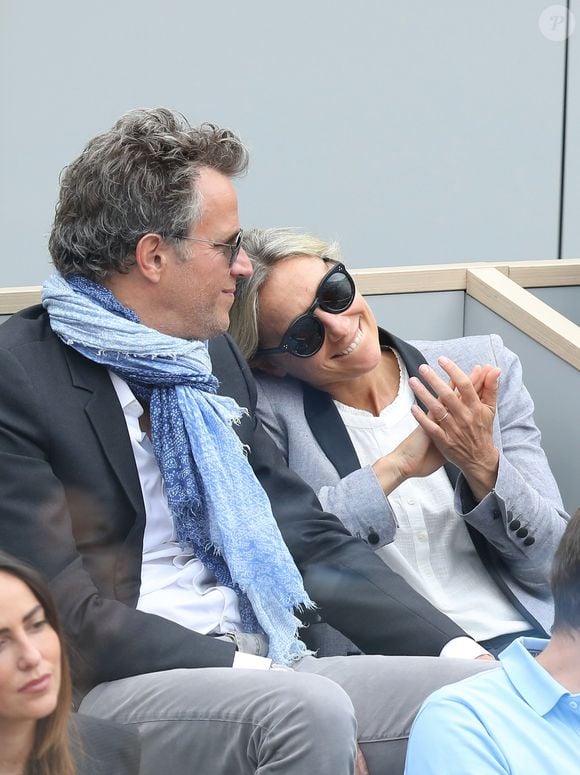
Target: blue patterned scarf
[[219, 508]]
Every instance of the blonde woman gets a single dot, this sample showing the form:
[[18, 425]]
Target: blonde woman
[[447, 482]]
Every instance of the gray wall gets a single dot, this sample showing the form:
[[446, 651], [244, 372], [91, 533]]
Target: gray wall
[[421, 315], [565, 300], [413, 132]]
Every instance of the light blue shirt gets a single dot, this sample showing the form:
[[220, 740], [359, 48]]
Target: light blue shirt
[[516, 719]]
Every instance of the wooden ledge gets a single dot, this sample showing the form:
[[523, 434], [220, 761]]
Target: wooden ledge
[[526, 312], [14, 299], [453, 277], [500, 286]]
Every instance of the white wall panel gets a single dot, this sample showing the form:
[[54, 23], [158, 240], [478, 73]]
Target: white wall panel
[[565, 300], [413, 132], [420, 315]]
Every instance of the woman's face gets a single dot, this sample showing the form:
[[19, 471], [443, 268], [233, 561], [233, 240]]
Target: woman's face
[[351, 344], [29, 655]]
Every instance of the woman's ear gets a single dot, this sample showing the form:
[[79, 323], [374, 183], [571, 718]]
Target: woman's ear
[[268, 365]]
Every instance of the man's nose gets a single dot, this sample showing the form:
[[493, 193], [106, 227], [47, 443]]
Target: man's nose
[[242, 266]]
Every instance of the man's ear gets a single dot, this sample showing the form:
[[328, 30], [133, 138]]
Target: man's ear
[[151, 256], [268, 365]]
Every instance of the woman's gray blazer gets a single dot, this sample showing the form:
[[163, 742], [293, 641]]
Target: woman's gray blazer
[[515, 528]]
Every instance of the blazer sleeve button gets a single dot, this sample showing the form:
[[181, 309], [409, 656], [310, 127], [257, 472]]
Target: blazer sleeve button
[[373, 538], [529, 541], [515, 524], [522, 532]]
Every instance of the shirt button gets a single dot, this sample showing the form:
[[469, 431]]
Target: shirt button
[[411, 502], [573, 704], [422, 536]]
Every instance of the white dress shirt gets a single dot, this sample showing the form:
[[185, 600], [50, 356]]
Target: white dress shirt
[[432, 549], [174, 583]]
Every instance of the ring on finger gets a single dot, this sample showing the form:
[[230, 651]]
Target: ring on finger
[[440, 420]]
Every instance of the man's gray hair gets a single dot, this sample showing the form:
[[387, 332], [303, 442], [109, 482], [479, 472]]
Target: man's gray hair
[[267, 247], [138, 177]]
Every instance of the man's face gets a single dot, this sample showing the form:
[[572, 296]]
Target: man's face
[[198, 285]]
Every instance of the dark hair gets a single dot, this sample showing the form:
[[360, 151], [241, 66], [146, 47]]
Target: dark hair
[[566, 578], [138, 177], [50, 753]]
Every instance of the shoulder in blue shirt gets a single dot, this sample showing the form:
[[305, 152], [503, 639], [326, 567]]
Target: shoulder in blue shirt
[[516, 719]]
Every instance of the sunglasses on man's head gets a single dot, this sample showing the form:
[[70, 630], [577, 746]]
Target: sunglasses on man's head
[[305, 335]]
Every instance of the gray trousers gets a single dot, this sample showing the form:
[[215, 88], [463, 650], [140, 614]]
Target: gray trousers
[[221, 721]]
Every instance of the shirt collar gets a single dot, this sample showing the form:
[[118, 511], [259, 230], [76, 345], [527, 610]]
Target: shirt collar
[[129, 404], [534, 684]]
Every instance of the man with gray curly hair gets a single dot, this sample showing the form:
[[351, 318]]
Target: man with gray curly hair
[[135, 475]]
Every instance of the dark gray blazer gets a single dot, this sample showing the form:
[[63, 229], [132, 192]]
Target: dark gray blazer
[[515, 529], [71, 504]]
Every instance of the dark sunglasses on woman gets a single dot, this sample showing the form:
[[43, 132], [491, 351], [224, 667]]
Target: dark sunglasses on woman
[[305, 335]]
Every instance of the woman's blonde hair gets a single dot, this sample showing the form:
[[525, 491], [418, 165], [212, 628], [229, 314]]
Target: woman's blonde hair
[[50, 753], [265, 248]]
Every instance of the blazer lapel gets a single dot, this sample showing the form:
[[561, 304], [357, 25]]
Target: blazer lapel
[[327, 426], [329, 431], [106, 417]]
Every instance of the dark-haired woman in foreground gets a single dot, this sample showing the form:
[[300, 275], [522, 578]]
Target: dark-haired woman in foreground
[[38, 733]]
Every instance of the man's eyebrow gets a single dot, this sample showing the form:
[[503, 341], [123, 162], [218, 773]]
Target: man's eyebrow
[[31, 614], [231, 238]]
